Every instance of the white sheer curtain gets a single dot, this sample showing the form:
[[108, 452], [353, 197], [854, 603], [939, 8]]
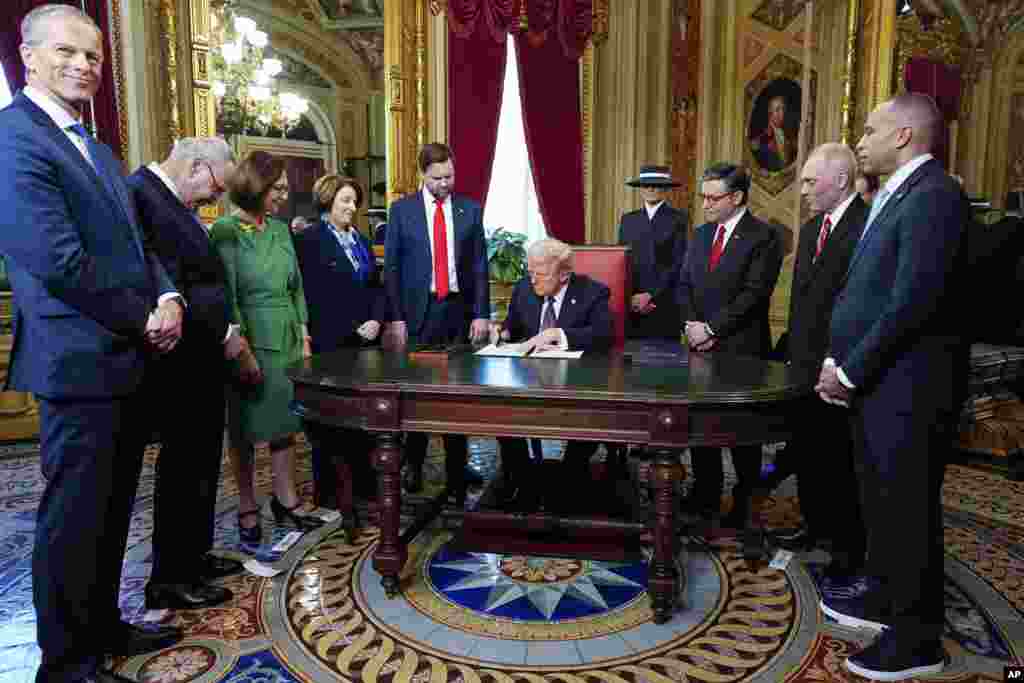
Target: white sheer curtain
[[511, 197], [5, 90]]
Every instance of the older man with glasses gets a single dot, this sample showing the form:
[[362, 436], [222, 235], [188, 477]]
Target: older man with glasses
[[731, 266], [167, 196]]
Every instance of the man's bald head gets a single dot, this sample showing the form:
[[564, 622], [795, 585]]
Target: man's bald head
[[827, 177], [897, 131], [919, 112]]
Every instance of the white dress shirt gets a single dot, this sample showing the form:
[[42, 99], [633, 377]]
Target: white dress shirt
[[64, 120], [449, 225], [651, 210], [730, 226], [836, 214], [559, 297]]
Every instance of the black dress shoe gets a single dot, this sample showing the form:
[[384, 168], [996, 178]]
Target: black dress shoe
[[185, 595], [213, 567], [412, 479], [108, 676], [129, 640], [286, 515]]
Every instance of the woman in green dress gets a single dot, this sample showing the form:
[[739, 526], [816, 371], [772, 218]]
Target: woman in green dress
[[265, 285]]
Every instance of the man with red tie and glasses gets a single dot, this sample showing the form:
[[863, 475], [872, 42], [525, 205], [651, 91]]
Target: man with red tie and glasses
[[435, 263], [726, 283]]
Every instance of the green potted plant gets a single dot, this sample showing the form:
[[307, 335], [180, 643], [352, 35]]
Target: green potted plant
[[506, 259]]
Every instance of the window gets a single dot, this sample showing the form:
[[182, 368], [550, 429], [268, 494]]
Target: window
[[5, 91], [511, 197]]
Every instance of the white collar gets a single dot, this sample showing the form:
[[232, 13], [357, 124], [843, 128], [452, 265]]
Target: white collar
[[47, 103], [345, 236], [651, 210], [904, 172], [429, 199], [730, 224], [162, 175], [836, 214]]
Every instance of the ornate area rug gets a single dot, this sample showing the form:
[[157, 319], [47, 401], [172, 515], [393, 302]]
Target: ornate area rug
[[483, 618]]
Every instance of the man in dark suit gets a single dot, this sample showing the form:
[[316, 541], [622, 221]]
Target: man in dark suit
[[552, 308], [730, 270], [435, 262], [821, 453], [193, 374], [897, 359], [656, 236], [90, 305]]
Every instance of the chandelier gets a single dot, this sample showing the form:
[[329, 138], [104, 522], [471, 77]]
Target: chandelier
[[243, 79]]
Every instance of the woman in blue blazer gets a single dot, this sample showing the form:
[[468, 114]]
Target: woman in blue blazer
[[346, 304]]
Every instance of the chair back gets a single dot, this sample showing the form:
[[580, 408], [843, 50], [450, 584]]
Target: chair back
[[610, 265]]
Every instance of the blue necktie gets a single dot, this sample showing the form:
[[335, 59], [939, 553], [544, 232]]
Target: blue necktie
[[96, 156], [97, 159]]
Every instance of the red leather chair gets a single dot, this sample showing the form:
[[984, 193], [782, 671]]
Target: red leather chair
[[609, 264]]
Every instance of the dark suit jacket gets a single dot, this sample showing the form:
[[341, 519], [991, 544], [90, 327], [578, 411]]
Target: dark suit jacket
[[184, 248], [83, 281], [408, 262], [337, 301], [657, 249], [734, 298], [897, 321], [584, 316], [995, 255], [816, 283]]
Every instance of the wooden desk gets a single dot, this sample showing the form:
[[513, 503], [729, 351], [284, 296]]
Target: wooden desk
[[711, 400]]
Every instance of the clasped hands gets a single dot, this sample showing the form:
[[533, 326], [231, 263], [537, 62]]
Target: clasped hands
[[829, 388], [697, 336], [163, 327], [642, 303]]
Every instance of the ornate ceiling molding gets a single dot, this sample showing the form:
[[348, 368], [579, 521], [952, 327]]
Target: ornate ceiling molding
[[320, 49]]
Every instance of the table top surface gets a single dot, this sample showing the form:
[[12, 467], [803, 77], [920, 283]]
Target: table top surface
[[665, 376]]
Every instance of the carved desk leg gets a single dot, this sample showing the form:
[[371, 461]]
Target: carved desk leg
[[663, 580], [390, 556]]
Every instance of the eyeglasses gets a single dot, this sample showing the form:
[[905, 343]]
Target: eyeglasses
[[217, 187], [715, 198]]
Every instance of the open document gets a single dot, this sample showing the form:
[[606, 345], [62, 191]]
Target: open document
[[519, 351]]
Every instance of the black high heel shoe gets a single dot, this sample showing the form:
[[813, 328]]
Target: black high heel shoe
[[250, 534], [288, 515]]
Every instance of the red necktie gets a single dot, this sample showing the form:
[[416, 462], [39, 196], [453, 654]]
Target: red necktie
[[440, 251], [717, 248], [826, 227]]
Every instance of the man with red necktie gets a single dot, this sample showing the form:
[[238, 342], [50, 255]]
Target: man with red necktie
[[435, 262], [827, 486], [726, 283]]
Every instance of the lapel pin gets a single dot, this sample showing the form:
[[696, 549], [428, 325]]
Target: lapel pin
[[572, 301]]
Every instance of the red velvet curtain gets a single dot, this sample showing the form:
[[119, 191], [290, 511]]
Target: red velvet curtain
[[547, 54], [105, 103], [550, 92], [943, 83], [476, 76]]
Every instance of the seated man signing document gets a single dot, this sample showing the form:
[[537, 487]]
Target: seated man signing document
[[552, 308]]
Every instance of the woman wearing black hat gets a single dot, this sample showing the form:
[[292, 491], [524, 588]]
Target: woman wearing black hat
[[656, 235]]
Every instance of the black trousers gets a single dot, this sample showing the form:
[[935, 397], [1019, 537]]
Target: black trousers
[[445, 322], [563, 491], [91, 456], [186, 396], [820, 453], [709, 476], [900, 460]]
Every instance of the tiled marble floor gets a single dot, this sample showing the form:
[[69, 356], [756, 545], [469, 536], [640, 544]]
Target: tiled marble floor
[[273, 632]]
